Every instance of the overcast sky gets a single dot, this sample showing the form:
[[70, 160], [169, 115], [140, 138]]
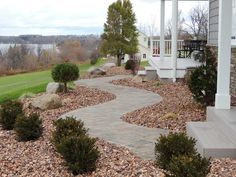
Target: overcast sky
[[54, 17]]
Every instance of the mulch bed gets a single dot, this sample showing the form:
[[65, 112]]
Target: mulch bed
[[39, 158], [172, 113]]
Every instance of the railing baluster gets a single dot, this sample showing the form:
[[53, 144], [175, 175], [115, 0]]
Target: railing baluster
[[156, 46]]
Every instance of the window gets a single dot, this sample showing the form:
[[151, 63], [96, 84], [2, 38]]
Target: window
[[144, 55], [145, 39]]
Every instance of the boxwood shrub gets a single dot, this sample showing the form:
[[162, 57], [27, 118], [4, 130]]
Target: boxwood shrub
[[28, 127], [67, 127], [74, 144], [8, 113], [177, 155], [80, 153]]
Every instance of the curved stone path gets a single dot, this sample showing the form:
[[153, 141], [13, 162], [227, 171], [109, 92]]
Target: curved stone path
[[104, 121]]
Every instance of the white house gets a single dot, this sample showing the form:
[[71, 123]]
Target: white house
[[144, 50]]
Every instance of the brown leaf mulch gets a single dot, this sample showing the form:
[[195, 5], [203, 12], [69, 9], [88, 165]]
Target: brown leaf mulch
[[39, 158], [172, 113]]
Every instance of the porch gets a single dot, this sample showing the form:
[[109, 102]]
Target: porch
[[184, 60], [164, 70], [215, 137]]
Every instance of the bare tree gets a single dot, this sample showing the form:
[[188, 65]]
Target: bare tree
[[142, 28], [198, 22], [152, 27], [181, 30], [149, 29]]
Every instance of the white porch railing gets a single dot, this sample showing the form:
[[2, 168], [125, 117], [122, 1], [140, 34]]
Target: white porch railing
[[156, 47]]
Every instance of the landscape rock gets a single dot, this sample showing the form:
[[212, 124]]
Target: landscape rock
[[53, 87], [137, 79], [47, 101], [97, 71], [108, 66]]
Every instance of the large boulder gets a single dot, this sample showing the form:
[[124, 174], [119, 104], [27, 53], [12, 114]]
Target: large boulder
[[53, 87], [108, 66], [97, 71], [47, 101]]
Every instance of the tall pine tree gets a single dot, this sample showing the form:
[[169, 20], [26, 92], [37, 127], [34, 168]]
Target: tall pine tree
[[120, 33]]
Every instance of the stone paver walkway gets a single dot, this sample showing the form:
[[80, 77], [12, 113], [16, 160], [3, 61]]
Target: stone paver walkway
[[104, 121]]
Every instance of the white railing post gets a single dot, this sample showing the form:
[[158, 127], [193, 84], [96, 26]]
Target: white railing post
[[162, 30], [174, 37], [223, 99], [151, 46]]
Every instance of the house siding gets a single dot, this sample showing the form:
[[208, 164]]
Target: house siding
[[233, 72], [213, 37], [213, 22]]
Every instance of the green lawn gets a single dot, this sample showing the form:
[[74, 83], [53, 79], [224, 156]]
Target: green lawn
[[144, 63], [11, 87]]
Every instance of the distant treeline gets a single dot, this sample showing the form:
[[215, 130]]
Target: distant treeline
[[39, 39]]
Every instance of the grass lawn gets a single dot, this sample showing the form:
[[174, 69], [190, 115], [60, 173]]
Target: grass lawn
[[144, 63], [11, 87]]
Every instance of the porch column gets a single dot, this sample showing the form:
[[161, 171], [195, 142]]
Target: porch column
[[223, 97], [162, 30], [174, 37], [151, 45]]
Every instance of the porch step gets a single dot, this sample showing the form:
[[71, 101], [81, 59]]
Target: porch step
[[224, 121], [210, 141], [142, 73], [151, 73]]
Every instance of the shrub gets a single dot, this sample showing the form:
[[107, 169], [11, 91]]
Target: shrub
[[203, 80], [93, 61], [65, 73], [172, 145], [130, 64], [67, 127], [8, 113], [80, 153], [28, 128], [189, 165]]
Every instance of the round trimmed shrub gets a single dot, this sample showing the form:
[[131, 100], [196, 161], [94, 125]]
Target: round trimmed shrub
[[8, 114], [171, 145], [67, 127], [130, 65], [80, 153], [93, 61], [65, 73], [28, 128], [192, 165]]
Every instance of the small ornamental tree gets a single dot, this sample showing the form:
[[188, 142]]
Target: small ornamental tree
[[65, 73], [203, 80]]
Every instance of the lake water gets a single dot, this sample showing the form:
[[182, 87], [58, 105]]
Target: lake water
[[5, 47]]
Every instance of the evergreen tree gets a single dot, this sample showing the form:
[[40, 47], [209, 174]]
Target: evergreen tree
[[120, 33]]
